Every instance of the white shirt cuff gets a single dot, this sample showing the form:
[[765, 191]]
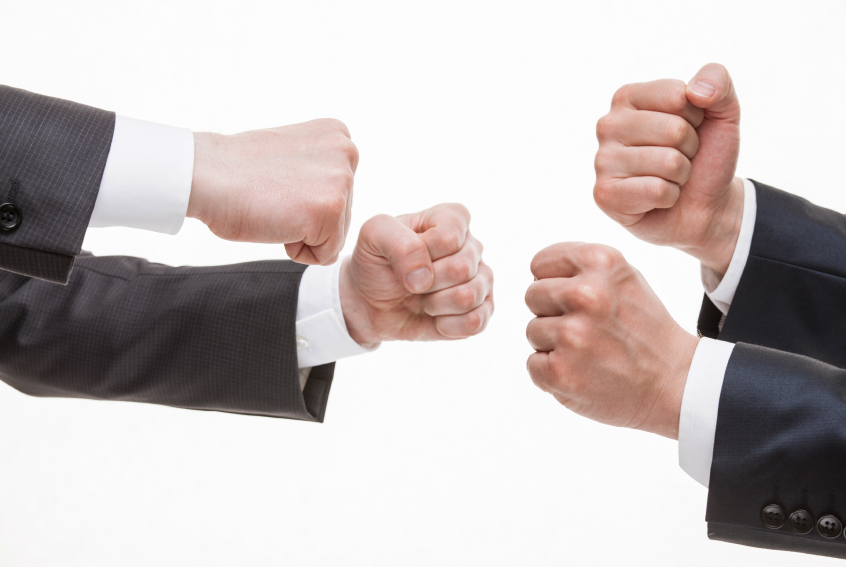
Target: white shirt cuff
[[322, 335], [147, 180], [700, 406], [721, 290]]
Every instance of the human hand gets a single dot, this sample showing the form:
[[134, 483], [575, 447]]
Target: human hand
[[606, 347], [416, 277], [666, 162], [291, 185]]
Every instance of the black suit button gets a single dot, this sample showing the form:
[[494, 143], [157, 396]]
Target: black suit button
[[773, 516], [10, 217], [801, 521], [829, 526]]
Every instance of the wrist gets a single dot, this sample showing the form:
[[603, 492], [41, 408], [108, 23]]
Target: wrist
[[356, 309], [207, 145], [720, 236], [664, 418]]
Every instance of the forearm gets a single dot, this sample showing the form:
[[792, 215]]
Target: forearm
[[54, 153], [214, 338], [779, 440]]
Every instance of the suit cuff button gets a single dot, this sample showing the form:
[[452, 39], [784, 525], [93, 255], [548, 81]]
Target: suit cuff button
[[801, 521], [10, 217], [829, 526], [773, 516]]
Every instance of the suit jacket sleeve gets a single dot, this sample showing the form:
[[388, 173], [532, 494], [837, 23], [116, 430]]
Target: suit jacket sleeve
[[211, 338], [52, 156], [781, 428]]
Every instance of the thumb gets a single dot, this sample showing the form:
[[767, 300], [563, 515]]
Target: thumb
[[712, 89], [390, 238]]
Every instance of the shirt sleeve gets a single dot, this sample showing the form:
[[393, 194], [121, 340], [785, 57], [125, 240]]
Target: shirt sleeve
[[700, 405], [701, 398], [147, 183], [322, 335], [147, 179], [720, 288]]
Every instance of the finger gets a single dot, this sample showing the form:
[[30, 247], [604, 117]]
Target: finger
[[652, 161], [304, 254], [648, 128], [712, 89], [665, 95], [443, 227], [390, 238], [553, 297], [627, 200], [555, 261], [461, 298], [458, 268], [544, 333], [567, 259], [467, 324], [538, 367]]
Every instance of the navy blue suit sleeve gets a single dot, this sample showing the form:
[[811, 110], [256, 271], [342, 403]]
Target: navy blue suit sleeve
[[781, 428], [780, 439]]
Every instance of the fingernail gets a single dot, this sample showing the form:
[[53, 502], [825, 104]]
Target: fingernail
[[703, 89], [419, 279]]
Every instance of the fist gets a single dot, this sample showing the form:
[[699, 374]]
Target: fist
[[291, 185], [606, 347], [666, 162], [417, 277]]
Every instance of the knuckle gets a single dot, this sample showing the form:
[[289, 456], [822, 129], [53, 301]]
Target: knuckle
[[585, 297], [559, 369], [575, 333], [334, 204], [675, 99], [655, 190], [603, 161], [459, 270], [677, 131], [337, 125], [674, 161], [474, 322], [449, 241], [621, 95], [459, 210], [370, 228], [409, 247], [603, 195], [465, 297], [603, 257], [606, 127]]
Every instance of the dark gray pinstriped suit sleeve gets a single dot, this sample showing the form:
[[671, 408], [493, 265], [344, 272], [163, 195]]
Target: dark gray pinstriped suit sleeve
[[55, 152], [211, 338]]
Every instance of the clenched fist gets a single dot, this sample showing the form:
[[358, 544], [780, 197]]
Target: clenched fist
[[666, 163], [417, 277], [291, 185], [606, 347]]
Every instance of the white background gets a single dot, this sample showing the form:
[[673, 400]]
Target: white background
[[431, 454]]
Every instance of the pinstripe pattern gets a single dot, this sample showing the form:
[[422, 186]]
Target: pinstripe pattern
[[57, 150], [211, 338]]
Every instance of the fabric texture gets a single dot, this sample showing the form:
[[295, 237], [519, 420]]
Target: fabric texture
[[53, 151], [147, 178], [211, 338], [781, 428]]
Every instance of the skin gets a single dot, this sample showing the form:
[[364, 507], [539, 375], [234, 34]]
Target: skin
[[416, 277], [291, 185], [606, 347], [665, 170], [666, 162]]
